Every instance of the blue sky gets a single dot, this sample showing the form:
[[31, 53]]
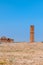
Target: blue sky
[[16, 16]]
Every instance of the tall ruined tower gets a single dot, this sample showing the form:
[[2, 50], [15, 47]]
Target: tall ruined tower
[[32, 33]]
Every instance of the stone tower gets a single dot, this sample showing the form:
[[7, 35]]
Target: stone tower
[[32, 33]]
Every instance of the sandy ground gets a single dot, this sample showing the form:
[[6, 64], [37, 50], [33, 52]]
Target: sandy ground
[[21, 53]]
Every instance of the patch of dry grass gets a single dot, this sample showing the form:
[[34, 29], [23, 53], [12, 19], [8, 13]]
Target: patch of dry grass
[[21, 54]]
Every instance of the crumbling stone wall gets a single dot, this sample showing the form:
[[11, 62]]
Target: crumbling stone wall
[[4, 39]]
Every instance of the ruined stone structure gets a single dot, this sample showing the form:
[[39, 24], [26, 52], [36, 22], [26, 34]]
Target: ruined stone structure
[[31, 33], [4, 39]]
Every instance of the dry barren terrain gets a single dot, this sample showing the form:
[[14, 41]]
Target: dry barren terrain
[[21, 53]]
